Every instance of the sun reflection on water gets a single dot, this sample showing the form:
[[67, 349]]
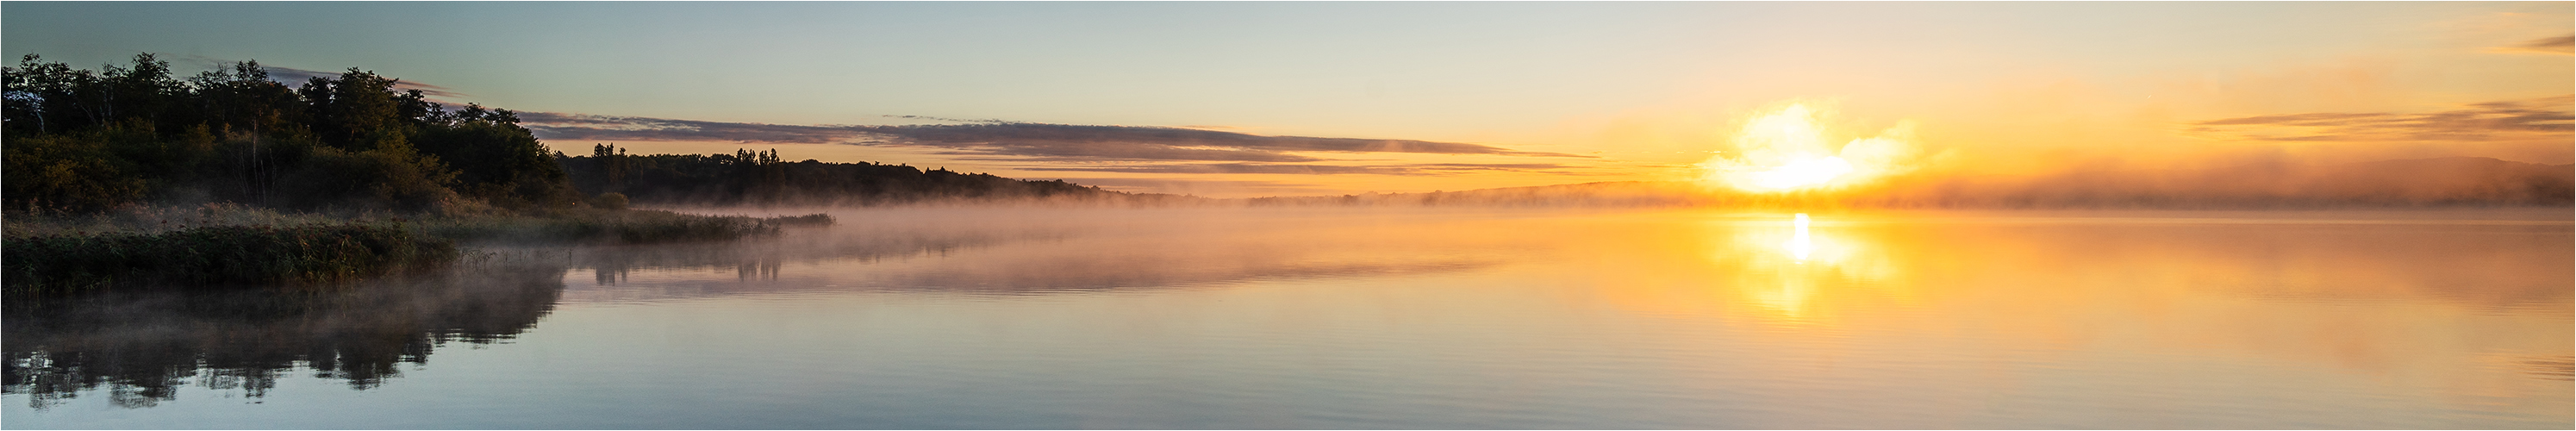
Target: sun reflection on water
[[1794, 275], [1801, 245]]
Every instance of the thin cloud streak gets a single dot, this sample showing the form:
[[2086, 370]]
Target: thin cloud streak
[[294, 76], [2480, 122], [1003, 140], [2562, 45]]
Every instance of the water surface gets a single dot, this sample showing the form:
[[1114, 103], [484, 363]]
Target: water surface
[[967, 318]]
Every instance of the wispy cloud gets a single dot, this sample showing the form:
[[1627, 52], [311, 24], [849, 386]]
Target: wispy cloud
[[2561, 45], [294, 76], [2479, 122], [998, 140], [578, 127]]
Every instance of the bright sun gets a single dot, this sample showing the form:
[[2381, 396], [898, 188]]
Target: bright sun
[[1785, 149], [1802, 173]]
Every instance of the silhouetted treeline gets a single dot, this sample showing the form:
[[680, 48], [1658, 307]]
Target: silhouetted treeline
[[91, 139], [761, 178]]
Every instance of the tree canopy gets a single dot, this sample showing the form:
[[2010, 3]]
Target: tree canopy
[[87, 139]]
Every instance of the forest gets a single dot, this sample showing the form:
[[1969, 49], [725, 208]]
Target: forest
[[131, 174], [84, 140], [91, 140]]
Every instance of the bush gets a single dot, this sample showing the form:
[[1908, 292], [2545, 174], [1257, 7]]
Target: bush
[[611, 201], [391, 176], [75, 172]]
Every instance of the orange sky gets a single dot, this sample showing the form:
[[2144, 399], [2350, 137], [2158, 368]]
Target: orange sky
[[1521, 94]]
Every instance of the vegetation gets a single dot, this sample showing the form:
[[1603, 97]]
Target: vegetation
[[86, 140], [219, 255], [629, 226], [132, 175], [748, 177]]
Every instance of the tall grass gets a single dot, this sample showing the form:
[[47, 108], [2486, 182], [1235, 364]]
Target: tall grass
[[615, 226], [219, 244], [151, 219], [304, 253]]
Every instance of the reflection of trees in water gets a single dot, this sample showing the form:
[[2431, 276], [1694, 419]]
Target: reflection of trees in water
[[143, 346], [763, 260], [1036, 258]]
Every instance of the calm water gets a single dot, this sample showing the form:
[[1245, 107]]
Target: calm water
[[957, 318]]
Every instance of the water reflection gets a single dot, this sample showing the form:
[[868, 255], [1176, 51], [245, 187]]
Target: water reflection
[[2358, 296], [1784, 277], [1401, 319], [1804, 244], [142, 346], [969, 252]]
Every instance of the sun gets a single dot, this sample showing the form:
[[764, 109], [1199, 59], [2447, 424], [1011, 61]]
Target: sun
[[1802, 173], [1787, 149]]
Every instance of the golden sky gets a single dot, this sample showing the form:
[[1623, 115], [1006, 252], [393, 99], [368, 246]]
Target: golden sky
[[1250, 99]]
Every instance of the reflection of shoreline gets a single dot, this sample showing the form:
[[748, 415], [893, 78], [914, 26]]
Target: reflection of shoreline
[[143, 346], [978, 253]]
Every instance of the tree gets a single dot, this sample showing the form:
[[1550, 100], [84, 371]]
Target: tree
[[93, 139]]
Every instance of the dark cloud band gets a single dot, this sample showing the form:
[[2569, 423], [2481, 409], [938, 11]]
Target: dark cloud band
[[2480, 122], [293, 76], [2561, 45], [1011, 140]]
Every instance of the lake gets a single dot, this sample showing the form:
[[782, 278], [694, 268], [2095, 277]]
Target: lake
[[1379, 318]]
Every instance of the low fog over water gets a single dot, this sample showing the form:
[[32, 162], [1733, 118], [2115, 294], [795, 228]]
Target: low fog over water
[[1336, 317]]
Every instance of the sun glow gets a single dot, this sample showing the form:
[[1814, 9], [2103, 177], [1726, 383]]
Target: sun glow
[[1801, 245], [1786, 149], [1802, 173]]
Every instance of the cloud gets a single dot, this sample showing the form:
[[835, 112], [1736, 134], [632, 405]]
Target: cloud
[[2479, 122], [1308, 169], [296, 77], [999, 140], [2562, 45], [578, 127]]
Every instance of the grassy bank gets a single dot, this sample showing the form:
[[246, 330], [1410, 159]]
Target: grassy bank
[[614, 226], [218, 255], [233, 245]]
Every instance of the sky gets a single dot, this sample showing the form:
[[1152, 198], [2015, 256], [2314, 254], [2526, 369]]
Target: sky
[[1233, 99]]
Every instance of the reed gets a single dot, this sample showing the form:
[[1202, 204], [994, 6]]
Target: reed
[[615, 226], [224, 244], [218, 255]]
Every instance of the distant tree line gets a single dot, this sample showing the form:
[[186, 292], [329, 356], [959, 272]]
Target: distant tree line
[[761, 178]]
